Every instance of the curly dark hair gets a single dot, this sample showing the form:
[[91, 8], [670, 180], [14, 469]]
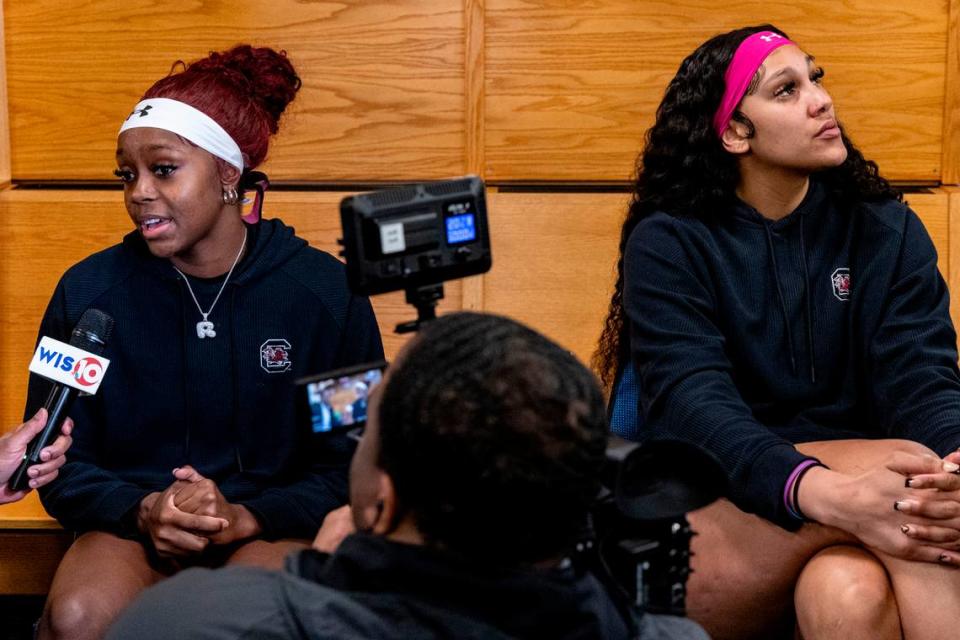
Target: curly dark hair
[[684, 170], [494, 437]]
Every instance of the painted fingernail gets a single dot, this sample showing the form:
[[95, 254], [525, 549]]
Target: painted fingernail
[[908, 482], [905, 528], [952, 467], [897, 505], [945, 559]]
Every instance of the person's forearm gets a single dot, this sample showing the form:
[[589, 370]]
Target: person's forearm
[[817, 496], [244, 524]]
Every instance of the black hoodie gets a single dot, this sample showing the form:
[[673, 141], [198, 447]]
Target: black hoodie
[[224, 405], [749, 335]]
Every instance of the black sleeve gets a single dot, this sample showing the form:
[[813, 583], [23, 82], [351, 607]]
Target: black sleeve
[[914, 351], [687, 392], [84, 496]]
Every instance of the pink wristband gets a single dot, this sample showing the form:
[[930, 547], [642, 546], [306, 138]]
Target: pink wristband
[[788, 487]]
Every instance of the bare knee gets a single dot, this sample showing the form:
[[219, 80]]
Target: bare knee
[[99, 575], [844, 592], [76, 615], [865, 600]]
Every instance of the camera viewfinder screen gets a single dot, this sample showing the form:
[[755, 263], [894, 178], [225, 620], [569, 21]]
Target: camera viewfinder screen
[[342, 401], [461, 228]]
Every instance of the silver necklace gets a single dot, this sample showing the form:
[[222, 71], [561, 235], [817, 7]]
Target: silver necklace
[[205, 327]]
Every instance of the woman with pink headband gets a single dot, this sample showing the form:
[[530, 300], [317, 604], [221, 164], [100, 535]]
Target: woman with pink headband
[[781, 308], [191, 453]]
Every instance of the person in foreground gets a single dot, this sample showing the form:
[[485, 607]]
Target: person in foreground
[[783, 310], [468, 491], [14, 445], [191, 452]]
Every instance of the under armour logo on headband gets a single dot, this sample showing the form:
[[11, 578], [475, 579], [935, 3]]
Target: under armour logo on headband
[[142, 112], [746, 60], [190, 123]]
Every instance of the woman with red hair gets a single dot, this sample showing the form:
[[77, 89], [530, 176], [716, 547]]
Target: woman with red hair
[[190, 453]]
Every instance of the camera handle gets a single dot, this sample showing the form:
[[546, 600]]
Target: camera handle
[[424, 298]]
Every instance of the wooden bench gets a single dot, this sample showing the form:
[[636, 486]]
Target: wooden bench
[[31, 546]]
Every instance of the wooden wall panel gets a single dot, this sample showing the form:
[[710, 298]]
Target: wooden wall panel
[[953, 273], [42, 233], [934, 209], [4, 120], [475, 79], [572, 87], [553, 262], [951, 110], [382, 97]]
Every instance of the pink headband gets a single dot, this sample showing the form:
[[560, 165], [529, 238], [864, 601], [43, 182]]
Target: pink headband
[[749, 56]]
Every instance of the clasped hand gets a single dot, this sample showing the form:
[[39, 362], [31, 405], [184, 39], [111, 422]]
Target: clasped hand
[[932, 503], [192, 514], [908, 507]]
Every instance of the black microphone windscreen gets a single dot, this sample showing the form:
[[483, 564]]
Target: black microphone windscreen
[[92, 331]]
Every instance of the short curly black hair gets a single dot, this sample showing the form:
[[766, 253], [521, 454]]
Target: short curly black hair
[[684, 170], [494, 437]]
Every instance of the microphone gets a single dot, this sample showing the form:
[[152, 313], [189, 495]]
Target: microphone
[[74, 368]]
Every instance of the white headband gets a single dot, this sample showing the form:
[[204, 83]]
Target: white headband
[[184, 120]]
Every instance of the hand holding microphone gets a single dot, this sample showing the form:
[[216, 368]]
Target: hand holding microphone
[[74, 368], [13, 446]]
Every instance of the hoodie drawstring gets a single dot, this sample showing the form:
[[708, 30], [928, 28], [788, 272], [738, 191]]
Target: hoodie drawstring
[[783, 305], [808, 308], [808, 299], [184, 358], [234, 376]]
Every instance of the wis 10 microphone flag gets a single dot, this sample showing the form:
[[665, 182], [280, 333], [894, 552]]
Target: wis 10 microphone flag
[[75, 369]]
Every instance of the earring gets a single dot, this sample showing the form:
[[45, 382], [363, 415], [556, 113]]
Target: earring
[[230, 195]]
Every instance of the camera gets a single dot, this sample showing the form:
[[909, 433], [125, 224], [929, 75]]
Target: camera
[[414, 238], [338, 399], [640, 533]]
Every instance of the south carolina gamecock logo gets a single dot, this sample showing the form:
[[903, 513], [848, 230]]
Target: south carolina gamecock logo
[[275, 355], [841, 283]]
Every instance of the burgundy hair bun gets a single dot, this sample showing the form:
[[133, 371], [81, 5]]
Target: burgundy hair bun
[[245, 89], [266, 75]]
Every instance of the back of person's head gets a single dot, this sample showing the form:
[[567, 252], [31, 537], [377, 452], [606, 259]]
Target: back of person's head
[[493, 437], [245, 90]]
